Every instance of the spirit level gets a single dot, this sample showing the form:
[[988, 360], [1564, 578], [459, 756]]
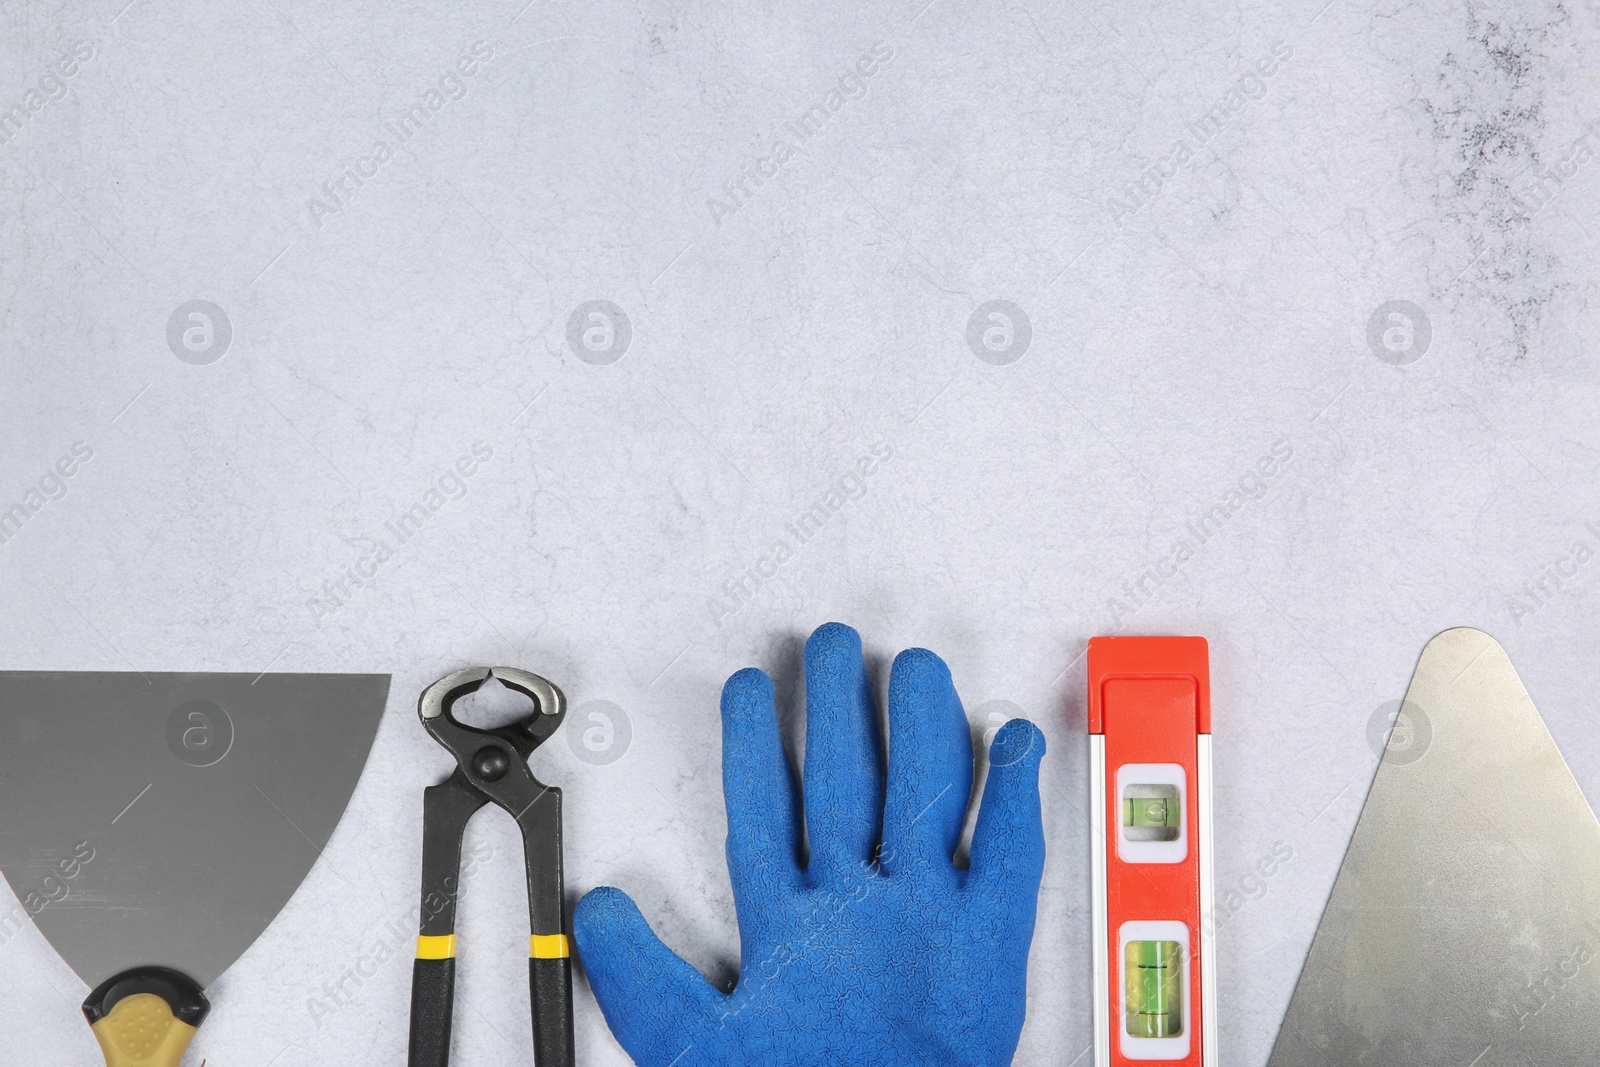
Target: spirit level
[[1150, 774]]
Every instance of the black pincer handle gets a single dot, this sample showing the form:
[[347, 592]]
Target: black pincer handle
[[433, 994], [550, 993]]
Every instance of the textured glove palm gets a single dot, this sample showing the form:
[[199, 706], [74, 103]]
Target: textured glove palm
[[879, 950]]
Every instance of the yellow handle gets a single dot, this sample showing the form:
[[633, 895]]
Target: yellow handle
[[141, 1031]]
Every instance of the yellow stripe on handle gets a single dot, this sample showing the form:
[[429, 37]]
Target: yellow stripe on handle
[[436, 947], [549, 947], [141, 1031]]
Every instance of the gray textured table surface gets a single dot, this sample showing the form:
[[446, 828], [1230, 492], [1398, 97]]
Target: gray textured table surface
[[397, 216]]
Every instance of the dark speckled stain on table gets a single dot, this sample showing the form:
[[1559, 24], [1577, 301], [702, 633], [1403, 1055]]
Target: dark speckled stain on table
[[1486, 103]]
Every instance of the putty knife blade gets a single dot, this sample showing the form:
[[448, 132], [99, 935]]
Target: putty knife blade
[[1464, 925]]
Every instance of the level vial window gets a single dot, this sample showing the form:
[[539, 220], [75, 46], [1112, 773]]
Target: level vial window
[[1151, 812], [1153, 988]]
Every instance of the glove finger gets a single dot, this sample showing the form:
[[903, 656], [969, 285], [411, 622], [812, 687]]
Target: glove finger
[[652, 1000], [930, 765], [844, 770], [1008, 842], [757, 787]]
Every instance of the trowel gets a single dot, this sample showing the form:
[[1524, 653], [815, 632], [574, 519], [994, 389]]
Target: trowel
[[1464, 925], [153, 825]]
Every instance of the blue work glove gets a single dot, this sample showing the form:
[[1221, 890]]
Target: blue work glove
[[868, 954]]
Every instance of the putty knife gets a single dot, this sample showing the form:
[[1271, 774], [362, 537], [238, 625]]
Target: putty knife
[[1464, 926], [152, 825]]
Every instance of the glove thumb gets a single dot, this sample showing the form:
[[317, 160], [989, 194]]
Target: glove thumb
[[653, 1001]]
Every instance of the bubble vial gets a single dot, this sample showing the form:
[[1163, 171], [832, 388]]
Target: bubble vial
[[1153, 988]]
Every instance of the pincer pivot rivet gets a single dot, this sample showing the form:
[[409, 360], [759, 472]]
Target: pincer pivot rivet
[[491, 763]]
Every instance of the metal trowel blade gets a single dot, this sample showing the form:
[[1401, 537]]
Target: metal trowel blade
[[165, 819], [1464, 925]]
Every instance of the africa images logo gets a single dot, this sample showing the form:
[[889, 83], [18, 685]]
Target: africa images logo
[[1197, 133], [54, 85], [841, 492], [362, 573], [51, 485], [851, 85], [452, 85]]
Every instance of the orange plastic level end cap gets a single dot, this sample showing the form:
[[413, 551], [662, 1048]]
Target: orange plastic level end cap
[[1114, 658]]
